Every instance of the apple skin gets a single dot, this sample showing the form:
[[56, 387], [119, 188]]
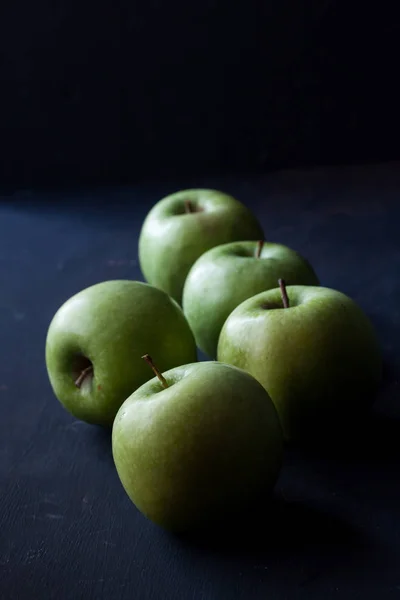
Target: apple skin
[[112, 324], [225, 276], [319, 359], [171, 240], [201, 449]]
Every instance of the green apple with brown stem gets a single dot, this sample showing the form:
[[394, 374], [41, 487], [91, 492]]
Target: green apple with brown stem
[[225, 276], [95, 341], [182, 226], [197, 444], [315, 352]]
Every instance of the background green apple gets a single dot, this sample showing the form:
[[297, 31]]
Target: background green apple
[[180, 227], [225, 276], [200, 449], [95, 341], [319, 359]]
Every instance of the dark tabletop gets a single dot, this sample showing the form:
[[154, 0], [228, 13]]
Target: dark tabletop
[[69, 531]]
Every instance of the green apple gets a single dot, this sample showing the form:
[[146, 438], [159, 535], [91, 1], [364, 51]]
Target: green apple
[[225, 276], [196, 444], [95, 341], [314, 351], [180, 227]]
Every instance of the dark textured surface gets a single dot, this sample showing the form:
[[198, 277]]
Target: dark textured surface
[[94, 92], [67, 528]]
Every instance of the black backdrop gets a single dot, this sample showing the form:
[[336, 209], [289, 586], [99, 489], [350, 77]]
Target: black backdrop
[[110, 92]]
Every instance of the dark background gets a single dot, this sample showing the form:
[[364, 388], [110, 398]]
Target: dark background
[[116, 92]]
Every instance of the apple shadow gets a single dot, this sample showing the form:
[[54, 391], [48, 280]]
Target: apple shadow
[[370, 437], [377, 441], [373, 438], [282, 534]]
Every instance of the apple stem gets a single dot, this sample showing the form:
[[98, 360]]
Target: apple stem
[[284, 295], [150, 362], [83, 375], [188, 207], [260, 245]]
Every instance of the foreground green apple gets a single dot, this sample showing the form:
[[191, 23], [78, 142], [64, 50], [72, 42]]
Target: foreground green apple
[[197, 443], [225, 276], [319, 358], [95, 341], [180, 227]]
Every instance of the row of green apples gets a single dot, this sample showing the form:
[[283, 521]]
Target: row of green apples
[[295, 360]]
